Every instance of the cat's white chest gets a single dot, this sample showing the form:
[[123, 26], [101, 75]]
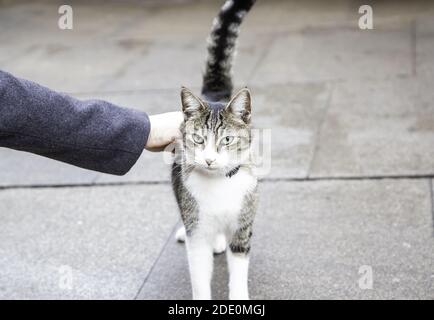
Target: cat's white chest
[[220, 196]]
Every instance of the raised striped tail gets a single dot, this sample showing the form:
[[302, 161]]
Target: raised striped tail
[[217, 79]]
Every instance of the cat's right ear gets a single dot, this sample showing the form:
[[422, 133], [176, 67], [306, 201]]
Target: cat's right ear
[[191, 104]]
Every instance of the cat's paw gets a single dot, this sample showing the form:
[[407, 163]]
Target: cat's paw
[[220, 244], [180, 235]]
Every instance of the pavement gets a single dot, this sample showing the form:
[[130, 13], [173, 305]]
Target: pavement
[[346, 211]]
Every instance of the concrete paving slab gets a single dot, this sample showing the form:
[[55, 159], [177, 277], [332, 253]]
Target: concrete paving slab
[[66, 60], [296, 16], [37, 22], [109, 37], [336, 53], [172, 62], [81, 243], [424, 47], [25, 169], [312, 240], [424, 26], [293, 113], [283, 16], [377, 128], [151, 167], [193, 17], [121, 53], [72, 68]]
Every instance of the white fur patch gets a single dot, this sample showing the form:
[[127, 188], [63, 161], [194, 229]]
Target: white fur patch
[[238, 276], [241, 14], [180, 235], [234, 28], [227, 5], [220, 199], [220, 244], [216, 23]]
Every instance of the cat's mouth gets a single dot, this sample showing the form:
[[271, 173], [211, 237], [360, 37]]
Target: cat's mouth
[[212, 168], [209, 169]]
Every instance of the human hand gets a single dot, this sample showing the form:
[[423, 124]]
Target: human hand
[[164, 130]]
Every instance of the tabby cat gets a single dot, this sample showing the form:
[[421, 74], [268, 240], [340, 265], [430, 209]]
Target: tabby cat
[[212, 175]]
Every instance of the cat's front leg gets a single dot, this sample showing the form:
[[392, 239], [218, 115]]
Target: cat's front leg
[[200, 260], [238, 275], [238, 265]]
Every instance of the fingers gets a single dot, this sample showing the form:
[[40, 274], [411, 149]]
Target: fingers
[[164, 130]]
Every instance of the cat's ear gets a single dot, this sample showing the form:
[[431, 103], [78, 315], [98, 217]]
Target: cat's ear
[[191, 104], [241, 105]]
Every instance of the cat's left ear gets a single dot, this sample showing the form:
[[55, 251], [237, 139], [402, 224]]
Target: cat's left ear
[[241, 105]]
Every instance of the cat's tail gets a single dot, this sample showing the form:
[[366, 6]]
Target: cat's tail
[[217, 79]]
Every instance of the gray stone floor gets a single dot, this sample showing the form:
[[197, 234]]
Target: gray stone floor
[[352, 119]]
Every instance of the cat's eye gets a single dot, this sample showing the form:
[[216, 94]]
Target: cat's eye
[[228, 140], [197, 138]]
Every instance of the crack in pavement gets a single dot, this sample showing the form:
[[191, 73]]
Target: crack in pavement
[[431, 193], [319, 130], [263, 180], [171, 235]]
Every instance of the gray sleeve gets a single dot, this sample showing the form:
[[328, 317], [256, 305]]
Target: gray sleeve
[[91, 134]]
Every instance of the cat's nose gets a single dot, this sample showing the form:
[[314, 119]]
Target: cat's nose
[[209, 161]]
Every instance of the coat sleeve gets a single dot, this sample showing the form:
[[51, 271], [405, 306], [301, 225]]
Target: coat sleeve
[[90, 134]]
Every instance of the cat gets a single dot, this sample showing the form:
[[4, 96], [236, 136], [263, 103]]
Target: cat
[[212, 175]]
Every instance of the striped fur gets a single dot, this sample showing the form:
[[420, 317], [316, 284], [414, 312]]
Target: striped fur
[[217, 79], [212, 176]]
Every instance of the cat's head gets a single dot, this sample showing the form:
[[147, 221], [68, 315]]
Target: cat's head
[[217, 135]]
